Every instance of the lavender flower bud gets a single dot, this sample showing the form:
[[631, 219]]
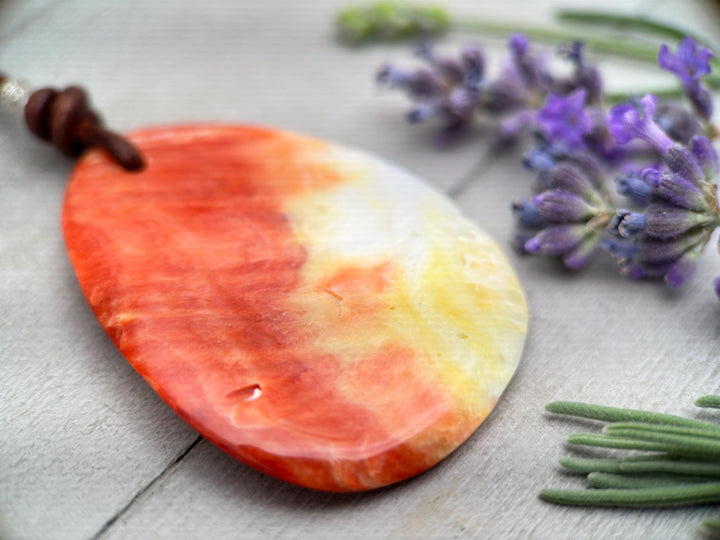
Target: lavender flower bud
[[473, 61], [690, 64], [461, 102], [505, 94], [652, 176], [556, 240], [528, 215], [421, 84], [391, 76], [681, 192], [521, 238], [562, 206], [585, 76], [518, 44], [529, 67], [622, 250], [568, 178], [656, 251], [588, 77], [449, 68], [666, 221], [589, 165], [716, 286], [514, 126], [540, 160], [639, 270], [581, 254], [683, 269], [677, 121], [705, 155], [626, 224], [421, 112], [682, 162], [634, 188], [702, 101]]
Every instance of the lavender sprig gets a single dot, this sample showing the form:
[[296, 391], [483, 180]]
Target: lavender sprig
[[572, 216], [676, 198], [690, 64], [389, 20], [567, 219], [665, 238], [456, 91]]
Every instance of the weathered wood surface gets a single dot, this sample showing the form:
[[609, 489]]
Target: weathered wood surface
[[88, 449]]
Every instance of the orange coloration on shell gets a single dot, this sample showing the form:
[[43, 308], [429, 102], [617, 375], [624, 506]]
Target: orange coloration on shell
[[193, 269]]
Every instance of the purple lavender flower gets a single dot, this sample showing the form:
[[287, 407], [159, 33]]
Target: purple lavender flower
[[455, 90], [690, 64], [524, 80], [447, 89], [532, 68], [585, 170], [635, 187], [677, 121], [626, 122], [567, 219], [584, 76], [563, 119], [670, 233]]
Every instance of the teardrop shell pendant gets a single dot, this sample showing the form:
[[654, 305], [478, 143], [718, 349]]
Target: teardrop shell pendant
[[315, 312]]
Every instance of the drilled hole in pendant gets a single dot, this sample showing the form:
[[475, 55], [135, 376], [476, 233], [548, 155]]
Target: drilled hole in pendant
[[246, 393]]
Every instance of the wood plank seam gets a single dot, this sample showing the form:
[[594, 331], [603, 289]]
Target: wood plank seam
[[167, 471]]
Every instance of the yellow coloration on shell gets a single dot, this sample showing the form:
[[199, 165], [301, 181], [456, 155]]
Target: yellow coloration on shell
[[451, 295]]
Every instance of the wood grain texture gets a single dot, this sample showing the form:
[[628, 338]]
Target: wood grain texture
[[83, 435]]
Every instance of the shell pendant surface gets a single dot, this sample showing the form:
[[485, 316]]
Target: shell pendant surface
[[318, 314]]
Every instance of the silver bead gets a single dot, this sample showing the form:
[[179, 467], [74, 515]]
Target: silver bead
[[14, 94]]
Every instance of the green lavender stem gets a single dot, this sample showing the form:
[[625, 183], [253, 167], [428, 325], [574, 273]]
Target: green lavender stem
[[659, 29], [595, 43], [657, 497]]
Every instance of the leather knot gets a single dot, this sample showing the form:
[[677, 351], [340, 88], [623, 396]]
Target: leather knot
[[65, 119]]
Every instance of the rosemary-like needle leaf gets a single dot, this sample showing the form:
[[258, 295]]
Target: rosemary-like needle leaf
[[710, 432], [592, 465], [671, 466], [636, 498], [712, 402], [678, 445], [712, 526], [590, 439], [614, 414], [621, 481]]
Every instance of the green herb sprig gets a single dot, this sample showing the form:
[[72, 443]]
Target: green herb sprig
[[388, 20], [682, 469]]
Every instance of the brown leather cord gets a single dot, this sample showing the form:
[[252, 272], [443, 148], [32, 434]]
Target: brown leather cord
[[65, 119]]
